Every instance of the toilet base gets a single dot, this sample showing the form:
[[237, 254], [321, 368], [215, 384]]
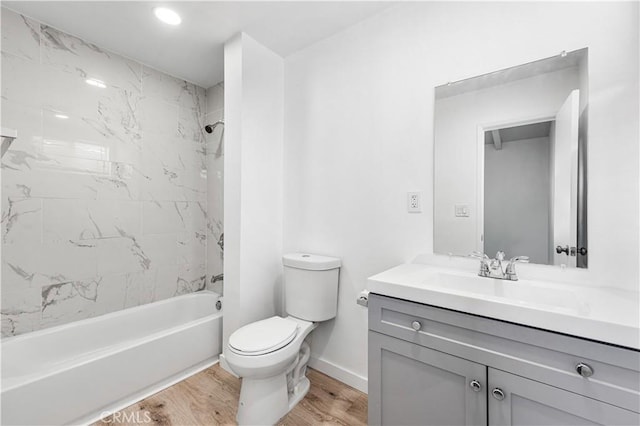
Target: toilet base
[[265, 401], [299, 393]]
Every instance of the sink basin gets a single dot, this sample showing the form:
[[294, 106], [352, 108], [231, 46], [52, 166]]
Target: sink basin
[[531, 293]]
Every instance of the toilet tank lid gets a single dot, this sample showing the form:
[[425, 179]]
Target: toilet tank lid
[[310, 262]]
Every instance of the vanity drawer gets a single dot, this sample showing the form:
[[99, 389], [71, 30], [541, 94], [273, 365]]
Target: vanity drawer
[[540, 355]]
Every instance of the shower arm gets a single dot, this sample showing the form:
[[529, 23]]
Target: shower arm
[[209, 128]]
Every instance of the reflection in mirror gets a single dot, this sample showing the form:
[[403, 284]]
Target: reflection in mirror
[[510, 162]]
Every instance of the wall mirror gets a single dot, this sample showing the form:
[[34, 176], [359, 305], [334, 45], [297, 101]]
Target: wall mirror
[[510, 158]]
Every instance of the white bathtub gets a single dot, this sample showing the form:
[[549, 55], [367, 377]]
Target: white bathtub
[[73, 373]]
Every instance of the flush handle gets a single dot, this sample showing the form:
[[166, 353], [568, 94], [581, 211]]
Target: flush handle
[[584, 370], [416, 325]]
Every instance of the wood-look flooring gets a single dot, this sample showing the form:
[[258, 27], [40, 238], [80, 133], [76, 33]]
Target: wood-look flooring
[[211, 398]]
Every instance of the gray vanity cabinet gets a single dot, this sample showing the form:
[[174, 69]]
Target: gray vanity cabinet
[[520, 401], [433, 366], [415, 385]]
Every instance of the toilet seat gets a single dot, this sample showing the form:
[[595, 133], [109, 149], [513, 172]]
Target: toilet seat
[[263, 337]]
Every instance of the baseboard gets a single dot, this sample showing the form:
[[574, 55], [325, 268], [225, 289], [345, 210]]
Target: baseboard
[[339, 373]]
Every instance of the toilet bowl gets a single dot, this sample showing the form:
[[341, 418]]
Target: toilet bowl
[[276, 351], [267, 367], [271, 355]]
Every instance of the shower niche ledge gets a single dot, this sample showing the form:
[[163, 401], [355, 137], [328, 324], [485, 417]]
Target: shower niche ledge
[[8, 136]]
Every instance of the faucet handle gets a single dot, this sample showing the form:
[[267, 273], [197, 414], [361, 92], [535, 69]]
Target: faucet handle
[[484, 263], [521, 259], [479, 255], [511, 267]]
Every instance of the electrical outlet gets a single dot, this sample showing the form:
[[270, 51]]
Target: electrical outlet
[[413, 202]]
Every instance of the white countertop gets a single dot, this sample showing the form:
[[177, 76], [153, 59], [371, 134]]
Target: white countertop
[[604, 314]]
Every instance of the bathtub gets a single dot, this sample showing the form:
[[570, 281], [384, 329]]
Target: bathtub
[[79, 372]]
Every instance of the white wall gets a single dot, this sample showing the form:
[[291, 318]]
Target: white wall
[[253, 104], [359, 134]]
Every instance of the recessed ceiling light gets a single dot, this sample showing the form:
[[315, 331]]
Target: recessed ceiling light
[[167, 16], [61, 116], [96, 83]]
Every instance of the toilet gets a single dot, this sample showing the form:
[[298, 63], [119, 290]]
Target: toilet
[[271, 355]]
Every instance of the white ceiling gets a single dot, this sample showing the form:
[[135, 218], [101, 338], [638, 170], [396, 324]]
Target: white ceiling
[[194, 50]]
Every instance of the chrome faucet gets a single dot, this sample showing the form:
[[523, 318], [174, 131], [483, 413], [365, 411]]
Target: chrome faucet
[[510, 272], [484, 263], [493, 268]]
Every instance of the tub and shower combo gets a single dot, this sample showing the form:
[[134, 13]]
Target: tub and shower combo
[[77, 372]]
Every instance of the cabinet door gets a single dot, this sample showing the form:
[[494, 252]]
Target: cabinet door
[[413, 385], [514, 400]]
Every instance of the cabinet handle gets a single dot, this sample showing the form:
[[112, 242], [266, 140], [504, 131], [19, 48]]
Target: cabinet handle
[[584, 370], [416, 325], [498, 394], [475, 385]]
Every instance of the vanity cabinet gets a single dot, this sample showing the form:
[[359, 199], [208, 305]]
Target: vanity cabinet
[[433, 366], [414, 383], [521, 401]]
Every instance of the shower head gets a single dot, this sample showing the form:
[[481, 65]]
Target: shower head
[[211, 127]]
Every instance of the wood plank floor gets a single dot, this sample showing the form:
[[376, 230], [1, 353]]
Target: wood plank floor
[[211, 398]]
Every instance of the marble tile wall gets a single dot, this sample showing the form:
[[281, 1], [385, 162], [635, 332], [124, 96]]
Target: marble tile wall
[[104, 192], [215, 185]]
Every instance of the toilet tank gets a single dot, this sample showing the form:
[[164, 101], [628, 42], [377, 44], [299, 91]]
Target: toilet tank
[[311, 286]]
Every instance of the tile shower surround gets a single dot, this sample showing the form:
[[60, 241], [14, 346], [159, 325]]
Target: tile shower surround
[[104, 193]]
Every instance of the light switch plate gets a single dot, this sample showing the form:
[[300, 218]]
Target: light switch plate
[[462, 210]]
